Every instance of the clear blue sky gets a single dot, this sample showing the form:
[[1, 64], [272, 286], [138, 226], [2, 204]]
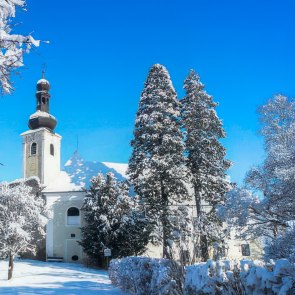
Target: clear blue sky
[[100, 53]]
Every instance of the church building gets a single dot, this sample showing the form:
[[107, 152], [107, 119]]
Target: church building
[[41, 157], [63, 191]]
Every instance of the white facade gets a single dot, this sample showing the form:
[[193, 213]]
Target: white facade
[[63, 230], [41, 157]]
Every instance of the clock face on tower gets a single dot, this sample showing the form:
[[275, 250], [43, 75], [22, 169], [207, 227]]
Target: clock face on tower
[[32, 137]]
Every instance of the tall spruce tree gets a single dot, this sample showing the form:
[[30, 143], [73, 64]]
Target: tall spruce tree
[[205, 159], [113, 220], [157, 165]]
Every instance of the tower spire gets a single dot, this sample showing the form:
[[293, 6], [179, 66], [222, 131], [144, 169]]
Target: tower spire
[[42, 117], [43, 71]]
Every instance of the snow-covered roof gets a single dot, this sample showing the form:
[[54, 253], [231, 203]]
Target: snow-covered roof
[[41, 114], [61, 183], [42, 81], [81, 171], [119, 167]]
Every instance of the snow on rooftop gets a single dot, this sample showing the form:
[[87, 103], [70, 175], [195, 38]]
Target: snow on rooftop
[[62, 182], [42, 81], [68, 163], [41, 114], [119, 167]]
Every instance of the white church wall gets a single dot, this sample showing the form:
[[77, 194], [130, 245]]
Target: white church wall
[[51, 162], [62, 238]]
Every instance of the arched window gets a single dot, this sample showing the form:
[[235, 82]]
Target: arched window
[[33, 148], [73, 216], [51, 149]]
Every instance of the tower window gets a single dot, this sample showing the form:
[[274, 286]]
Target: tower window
[[73, 216], [33, 148], [51, 149]]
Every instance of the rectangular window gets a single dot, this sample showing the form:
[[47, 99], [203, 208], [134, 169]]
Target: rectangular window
[[245, 249]]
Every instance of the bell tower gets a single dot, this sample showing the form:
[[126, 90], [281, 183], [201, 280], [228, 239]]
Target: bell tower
[[41, 145]]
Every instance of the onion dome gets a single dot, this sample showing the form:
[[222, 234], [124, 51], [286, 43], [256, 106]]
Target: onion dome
[[43, 85], [42, 117]]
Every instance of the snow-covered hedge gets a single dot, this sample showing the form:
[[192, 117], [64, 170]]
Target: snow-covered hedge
[[244, 277], [143, 275]]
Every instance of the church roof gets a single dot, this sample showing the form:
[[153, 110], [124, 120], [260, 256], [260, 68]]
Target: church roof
[[81, 171]]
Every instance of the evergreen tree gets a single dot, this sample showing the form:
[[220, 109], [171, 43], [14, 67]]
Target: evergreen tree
[[205, 159], [113, 220], [157, 165]]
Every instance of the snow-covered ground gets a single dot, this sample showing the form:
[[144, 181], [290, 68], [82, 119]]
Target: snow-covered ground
[[36, 277]]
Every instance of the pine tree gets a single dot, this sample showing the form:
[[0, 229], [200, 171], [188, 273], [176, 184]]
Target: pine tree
[[205, 159], [157, 165], [113, 220]]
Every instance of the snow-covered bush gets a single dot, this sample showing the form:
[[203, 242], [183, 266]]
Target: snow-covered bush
[[143, 275], [244, 277]]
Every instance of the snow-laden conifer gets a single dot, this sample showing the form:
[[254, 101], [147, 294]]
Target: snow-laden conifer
[[23, 216], [205, 159], [113, 220], [157, 165]]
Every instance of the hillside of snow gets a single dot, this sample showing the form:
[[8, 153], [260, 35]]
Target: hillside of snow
[[81, 171], [36, 277]]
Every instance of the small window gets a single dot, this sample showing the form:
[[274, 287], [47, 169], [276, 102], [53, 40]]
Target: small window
[[73, 235], [245, 249], [75, 258], [51, 149], [73, 216], [34, 148], [43, 100]]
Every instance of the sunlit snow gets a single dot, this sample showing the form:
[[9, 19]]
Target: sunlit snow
[[36, 277], [119, 167]]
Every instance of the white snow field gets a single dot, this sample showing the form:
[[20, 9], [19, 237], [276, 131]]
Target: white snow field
[[36, 277]]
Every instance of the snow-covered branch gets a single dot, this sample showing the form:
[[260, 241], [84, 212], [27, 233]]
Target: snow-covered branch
[[12, 46]]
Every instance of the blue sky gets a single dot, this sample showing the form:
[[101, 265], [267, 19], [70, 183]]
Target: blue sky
[[100, 53]]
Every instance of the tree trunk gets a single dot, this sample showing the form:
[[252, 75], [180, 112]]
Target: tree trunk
[[275, 230], [10, 266], [165, 240], [165, 223], [203, 238]]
